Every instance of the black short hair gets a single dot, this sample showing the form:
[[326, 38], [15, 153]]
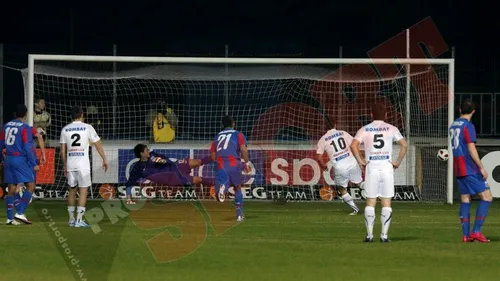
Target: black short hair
[[227, 121], [38, 98], [138, 149], [21, 111], [76, 112], [379, 111], [467, 106]]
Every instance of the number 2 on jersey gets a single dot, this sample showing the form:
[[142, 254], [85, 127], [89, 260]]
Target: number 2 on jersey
[[76, 140], [10, 135], [455, 140], [223, 139], [340, 144]]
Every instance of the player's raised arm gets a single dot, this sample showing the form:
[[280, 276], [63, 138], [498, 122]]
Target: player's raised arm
[[95, 139], [402, 151]]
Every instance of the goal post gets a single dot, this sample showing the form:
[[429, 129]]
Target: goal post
[[267, 79]]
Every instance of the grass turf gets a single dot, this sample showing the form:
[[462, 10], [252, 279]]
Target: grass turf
[[201, 241]]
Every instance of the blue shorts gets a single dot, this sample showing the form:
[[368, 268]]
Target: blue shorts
[[17, 170], [227, 178], [471, 185]]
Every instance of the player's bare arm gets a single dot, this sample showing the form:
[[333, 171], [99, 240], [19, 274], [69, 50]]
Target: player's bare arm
[[244, 155], [402, 153], [41, 144], [100, 150], [319, 158], [475, 157], [355, 151], [64, 159]]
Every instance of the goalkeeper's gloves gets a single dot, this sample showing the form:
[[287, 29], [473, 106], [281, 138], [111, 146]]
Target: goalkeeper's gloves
[[158, 160]]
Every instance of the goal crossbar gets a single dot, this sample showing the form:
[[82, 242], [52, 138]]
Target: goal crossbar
[[224, 60]]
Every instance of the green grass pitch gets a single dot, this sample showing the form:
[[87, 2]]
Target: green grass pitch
[[201, 241]]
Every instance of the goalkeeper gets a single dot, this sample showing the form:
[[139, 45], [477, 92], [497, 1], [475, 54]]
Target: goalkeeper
[[157, 168]]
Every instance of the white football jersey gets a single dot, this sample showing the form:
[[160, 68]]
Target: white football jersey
[[78, 136], [378, 138], [337, 145]]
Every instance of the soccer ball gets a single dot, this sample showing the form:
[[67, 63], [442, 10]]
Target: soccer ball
[[443, 154]]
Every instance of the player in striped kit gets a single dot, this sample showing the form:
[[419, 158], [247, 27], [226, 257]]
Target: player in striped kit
[[470, 173], [20, 163], [227, 148], [336, 143]]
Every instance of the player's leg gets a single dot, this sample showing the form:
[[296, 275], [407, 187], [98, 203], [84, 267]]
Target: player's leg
[[372, 193], [464, 212], [482, 189], [186, 165], [17, 197], [9, 201], [236, 179], [84, 183], [25, 201], [221, 185], [195, 163], [386, 195], [72, 188], [343, 181], [11, 180], [26, 175], [82, 203]]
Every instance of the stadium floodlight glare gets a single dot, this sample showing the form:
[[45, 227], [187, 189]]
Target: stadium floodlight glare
[[281, 104]]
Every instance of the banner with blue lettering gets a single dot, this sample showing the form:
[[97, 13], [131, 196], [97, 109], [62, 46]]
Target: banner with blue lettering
[[126, 158]]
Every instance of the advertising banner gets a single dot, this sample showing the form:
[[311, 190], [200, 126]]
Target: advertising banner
[[273, 167], [46, 174], [490, 157]]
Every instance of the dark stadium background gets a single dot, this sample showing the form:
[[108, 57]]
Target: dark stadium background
[[257, 28]]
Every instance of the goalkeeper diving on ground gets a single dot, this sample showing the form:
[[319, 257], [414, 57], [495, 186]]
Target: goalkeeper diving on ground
[[159, 169]]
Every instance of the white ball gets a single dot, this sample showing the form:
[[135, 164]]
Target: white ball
[[443, 154]]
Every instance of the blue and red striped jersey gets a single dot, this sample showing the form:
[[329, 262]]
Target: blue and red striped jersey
[[17, 139], [463, 132], [226, 146]]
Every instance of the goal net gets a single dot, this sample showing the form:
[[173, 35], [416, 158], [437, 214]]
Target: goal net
[[283, 109]]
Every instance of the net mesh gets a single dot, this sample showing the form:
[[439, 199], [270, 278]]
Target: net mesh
[[282, 110]]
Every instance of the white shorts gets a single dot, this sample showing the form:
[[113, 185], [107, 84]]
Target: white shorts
[[379, 183], [345, 174], [79, 179]]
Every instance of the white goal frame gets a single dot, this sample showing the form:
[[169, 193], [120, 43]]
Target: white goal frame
[[32, 58]]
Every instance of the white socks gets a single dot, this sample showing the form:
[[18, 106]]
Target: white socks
[[369, 220], [71, 212], [385, 219], [348, 200], [80, 212]]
